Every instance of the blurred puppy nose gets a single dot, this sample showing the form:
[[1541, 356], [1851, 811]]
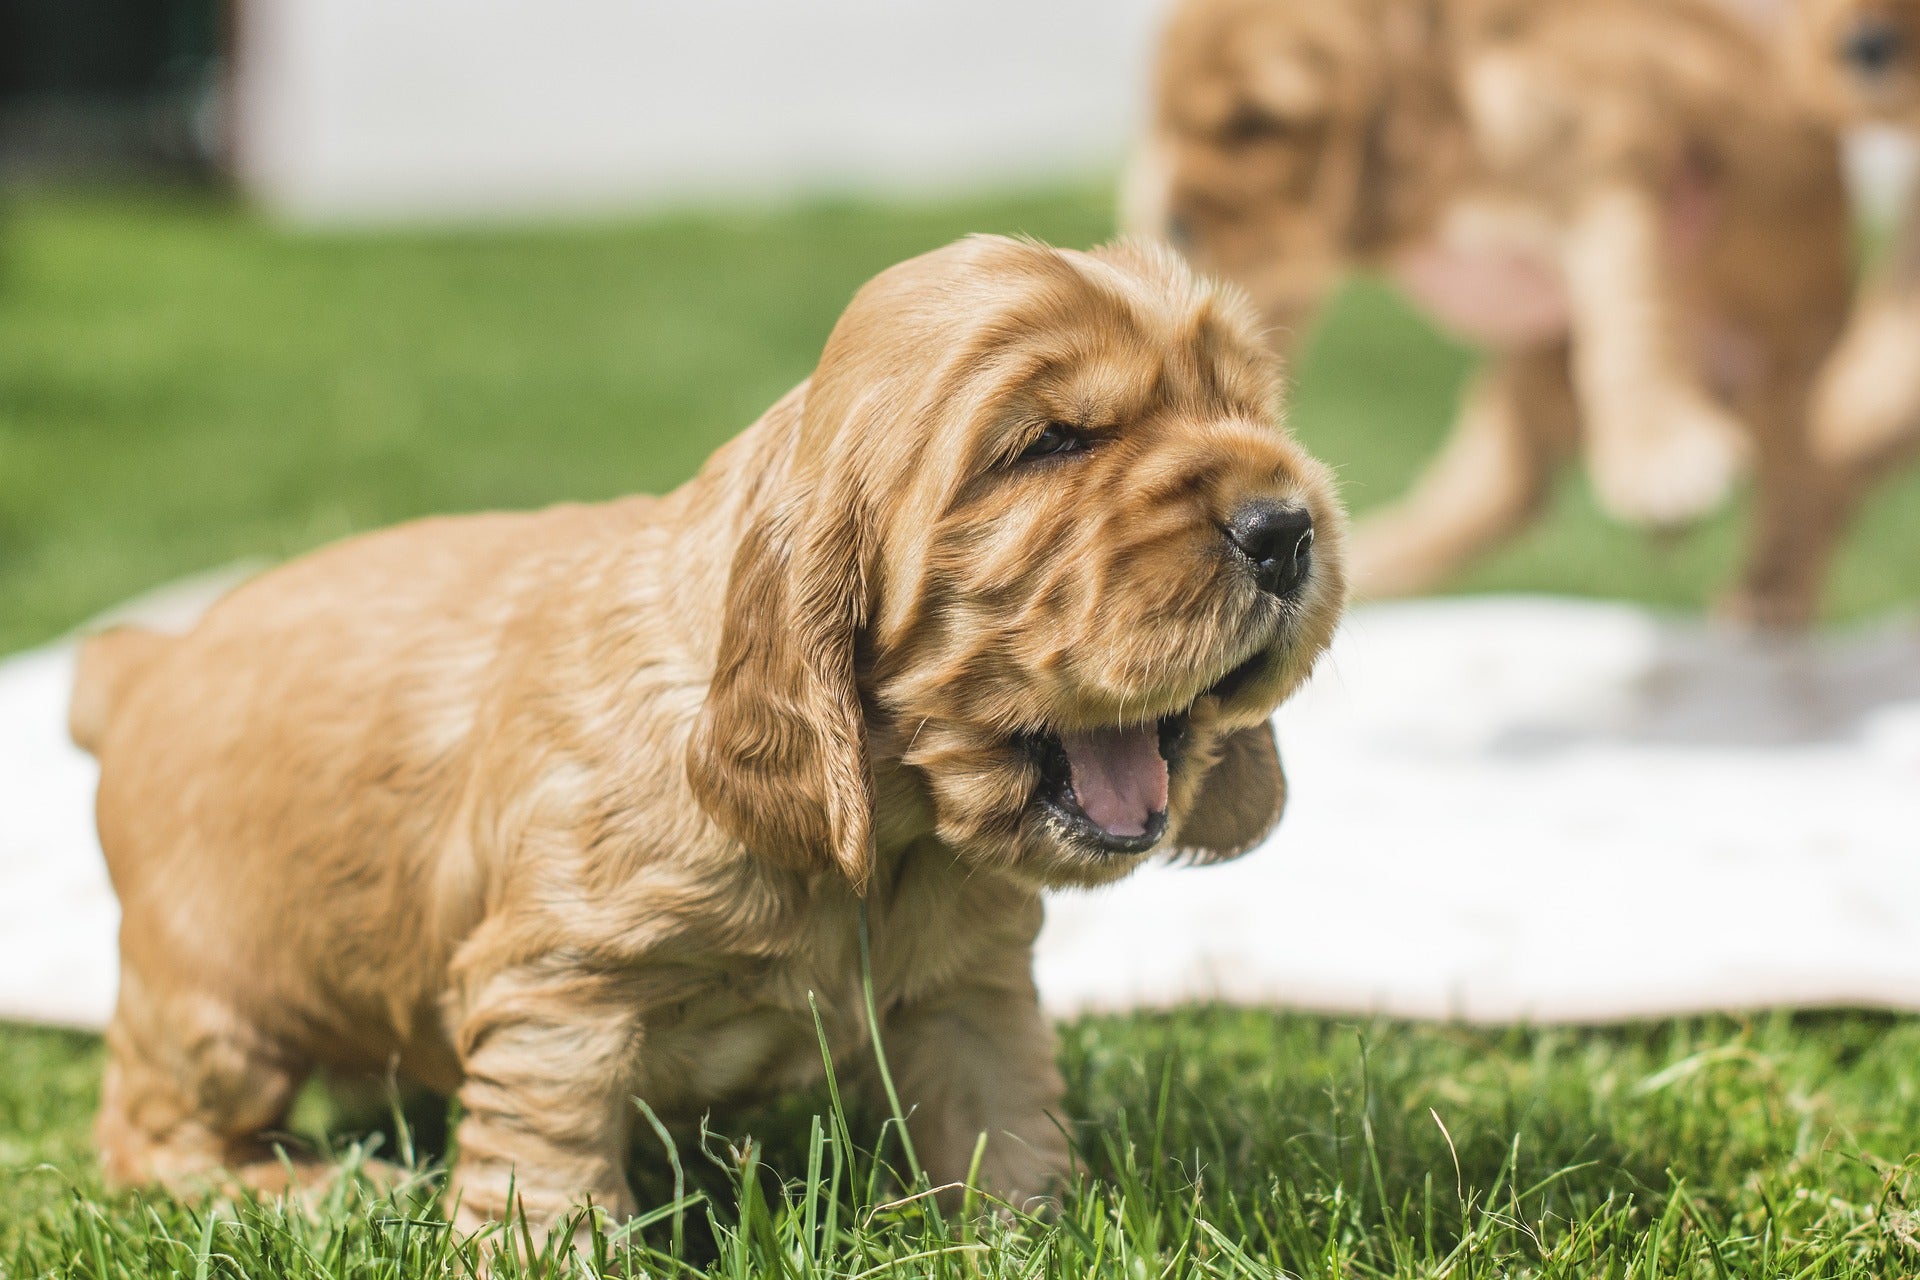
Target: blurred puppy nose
[[1872, 46], [1279, 542], [1179, 232]]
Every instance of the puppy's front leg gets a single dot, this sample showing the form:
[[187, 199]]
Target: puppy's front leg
[[980, 1059], [548, 1057], [1867, 409], [1660, 450], [1516, 427]]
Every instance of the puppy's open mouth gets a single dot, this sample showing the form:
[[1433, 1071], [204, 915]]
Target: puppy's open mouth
[[1107, 788]]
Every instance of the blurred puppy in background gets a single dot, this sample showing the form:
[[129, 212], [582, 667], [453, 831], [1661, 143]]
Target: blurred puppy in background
[[1603, 195], [1860, 59], [530, 806]]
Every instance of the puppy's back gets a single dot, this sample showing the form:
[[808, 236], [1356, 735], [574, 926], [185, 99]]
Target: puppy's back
[[287, 790]]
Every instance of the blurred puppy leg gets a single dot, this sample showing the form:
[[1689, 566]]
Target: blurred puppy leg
[[1867, 414], [1518, 425], [1867, 410], [980, 1060], [1800, 514], [1660, 451], [191, 1088]]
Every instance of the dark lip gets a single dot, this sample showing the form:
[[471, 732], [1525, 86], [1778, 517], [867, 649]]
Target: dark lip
[[1070, 822], [1054, 793]]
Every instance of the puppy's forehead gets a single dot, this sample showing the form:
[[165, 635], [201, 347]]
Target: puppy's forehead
[[1146, 321], [947, 336]]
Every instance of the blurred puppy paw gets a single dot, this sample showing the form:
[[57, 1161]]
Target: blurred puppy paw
[[1767, 610], [1674, 464]]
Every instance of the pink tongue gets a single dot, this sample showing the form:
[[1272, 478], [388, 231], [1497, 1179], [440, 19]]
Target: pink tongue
[[1118, 778]]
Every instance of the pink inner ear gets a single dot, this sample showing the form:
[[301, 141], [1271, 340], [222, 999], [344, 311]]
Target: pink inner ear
[[1119, 778]]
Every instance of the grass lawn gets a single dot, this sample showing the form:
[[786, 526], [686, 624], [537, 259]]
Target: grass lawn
[[181, 386]]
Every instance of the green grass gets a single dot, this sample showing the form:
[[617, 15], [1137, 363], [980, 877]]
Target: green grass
[[181, 386], [1213, 1143]]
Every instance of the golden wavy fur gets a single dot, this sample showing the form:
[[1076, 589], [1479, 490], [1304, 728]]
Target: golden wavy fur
[[1653, 254], [555, 810]]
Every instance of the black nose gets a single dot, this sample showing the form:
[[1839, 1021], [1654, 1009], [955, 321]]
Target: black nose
[[1873, 46], [1278, 540]]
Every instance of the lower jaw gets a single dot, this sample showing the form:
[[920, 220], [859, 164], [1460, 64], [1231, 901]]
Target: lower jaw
[[1077, 832]]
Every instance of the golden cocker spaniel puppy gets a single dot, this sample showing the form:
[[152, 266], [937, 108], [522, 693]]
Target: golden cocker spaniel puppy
[[562, 809], [1603, 195]]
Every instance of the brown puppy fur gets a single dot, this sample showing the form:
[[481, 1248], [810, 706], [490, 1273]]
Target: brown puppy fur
[[560, 809], [1860, 62], [1653, 254]]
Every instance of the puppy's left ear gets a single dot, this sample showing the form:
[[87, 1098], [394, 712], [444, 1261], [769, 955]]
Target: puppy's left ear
[[779, 753], [1240, 800]]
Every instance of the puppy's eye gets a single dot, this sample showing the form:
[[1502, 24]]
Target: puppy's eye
[[1057, 439]]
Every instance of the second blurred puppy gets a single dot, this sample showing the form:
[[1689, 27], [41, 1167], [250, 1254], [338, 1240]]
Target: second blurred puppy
[[1861, 60], [1602, 194]]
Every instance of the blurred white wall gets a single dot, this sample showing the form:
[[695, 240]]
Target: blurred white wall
[[359, 110]]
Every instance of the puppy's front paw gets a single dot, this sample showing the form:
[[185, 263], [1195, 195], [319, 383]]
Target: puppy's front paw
[[1022, 1171], [1767, 611], [1031, 1180], [1671, 466]]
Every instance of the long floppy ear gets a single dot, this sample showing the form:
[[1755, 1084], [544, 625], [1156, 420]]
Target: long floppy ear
[[779, 756], [1240, 801]]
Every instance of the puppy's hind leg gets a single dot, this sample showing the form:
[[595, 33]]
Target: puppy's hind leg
[[1801, 512], [1518, 425], [191, 1090]]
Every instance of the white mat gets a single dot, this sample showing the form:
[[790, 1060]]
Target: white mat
[[1502, 809], [1548, 810], [58, 919]]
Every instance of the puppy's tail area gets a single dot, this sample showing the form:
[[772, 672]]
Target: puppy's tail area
[[109, 664]]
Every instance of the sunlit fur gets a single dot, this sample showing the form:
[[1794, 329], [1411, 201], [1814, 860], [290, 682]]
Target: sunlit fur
[[1651, 246], [558, 809]]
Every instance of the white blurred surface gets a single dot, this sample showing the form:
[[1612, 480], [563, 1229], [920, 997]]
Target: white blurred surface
[[1533, 809], [1883, 166], [355, 110], [1502, 809], [58, 919]]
